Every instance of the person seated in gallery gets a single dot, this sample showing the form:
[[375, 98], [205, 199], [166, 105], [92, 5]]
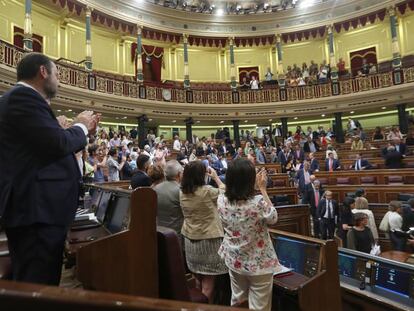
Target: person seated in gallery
[[341, 67], [372, 69], [269, 77], [245, 84], [365, 67], [254, 83]]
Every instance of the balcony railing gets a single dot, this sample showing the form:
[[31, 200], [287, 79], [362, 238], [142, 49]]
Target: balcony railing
[[126, 87]]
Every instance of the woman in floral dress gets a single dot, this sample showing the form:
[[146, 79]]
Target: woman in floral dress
[[247, 248]]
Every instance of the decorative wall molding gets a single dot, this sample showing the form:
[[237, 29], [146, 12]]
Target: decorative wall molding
[[117, 95], [164, 24]]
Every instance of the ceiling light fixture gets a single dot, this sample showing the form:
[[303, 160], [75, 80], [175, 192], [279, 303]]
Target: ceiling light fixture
[[323, 115], [219, 12]]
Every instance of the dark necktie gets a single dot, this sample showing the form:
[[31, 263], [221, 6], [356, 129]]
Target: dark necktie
[[329, 210]]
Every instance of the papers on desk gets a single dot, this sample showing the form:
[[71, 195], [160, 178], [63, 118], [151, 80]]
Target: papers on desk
[[87, 217], [282, 271]]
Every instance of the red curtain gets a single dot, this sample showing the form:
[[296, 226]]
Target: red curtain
[[152, 61], [370, 54], [18, 35], [250, 71]]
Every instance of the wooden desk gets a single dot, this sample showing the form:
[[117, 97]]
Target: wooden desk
[[291, 282], [354, 299], [396, 255], [379, 176], [16, 296], [124, 262], [375, 193], [293, 218], [318, 287], [78, 239]]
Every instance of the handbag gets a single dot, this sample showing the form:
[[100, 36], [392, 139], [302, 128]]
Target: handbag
[[375, 250]]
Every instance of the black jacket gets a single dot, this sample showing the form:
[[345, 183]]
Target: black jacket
[[39, 175]]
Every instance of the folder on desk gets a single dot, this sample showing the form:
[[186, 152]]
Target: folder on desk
[[282, 271], [85, 221]]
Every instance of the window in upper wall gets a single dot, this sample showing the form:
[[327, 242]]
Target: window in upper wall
[[18, 36]]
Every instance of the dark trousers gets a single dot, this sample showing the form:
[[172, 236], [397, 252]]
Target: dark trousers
[[36, 252], [316, 223], [327, 228], [316, 226], [398, 243]]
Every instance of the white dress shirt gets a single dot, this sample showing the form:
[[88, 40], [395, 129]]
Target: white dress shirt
[[358, 165], [329, 207], [395, 221], [177, 145]]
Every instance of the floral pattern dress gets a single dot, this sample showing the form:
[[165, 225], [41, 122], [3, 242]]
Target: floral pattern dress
[[247, 247]]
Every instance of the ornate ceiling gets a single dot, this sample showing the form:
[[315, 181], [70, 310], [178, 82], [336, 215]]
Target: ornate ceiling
[[195, 17], [223, 7]]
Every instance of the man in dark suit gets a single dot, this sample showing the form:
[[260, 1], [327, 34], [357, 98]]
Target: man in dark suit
[[393, 159], [284, 157], [314, 163], [303, 180], [399, 146], [39, 175], [298, 154], [220, 165], [328, 216], [313, 195], [332, 164], [360, 163], [141, 178], [310, 145], [222, 148]]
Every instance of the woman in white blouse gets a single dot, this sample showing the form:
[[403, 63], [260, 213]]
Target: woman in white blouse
[[361, 206], [395, 224]]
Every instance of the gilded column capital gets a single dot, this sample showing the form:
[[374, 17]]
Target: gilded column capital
[[88, 11], [278, 38], [185, 38], [391, 11], [329, 28]]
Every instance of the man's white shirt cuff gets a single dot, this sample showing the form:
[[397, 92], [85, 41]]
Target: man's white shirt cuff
[[83, 127]]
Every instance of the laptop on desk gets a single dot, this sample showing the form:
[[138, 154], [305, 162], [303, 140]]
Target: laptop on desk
[[93, 220]]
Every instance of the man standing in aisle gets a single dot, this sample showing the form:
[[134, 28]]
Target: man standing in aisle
[[39, 175], [328, 216]]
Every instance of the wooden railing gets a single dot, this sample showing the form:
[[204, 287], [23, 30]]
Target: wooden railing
[[125, 86]]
